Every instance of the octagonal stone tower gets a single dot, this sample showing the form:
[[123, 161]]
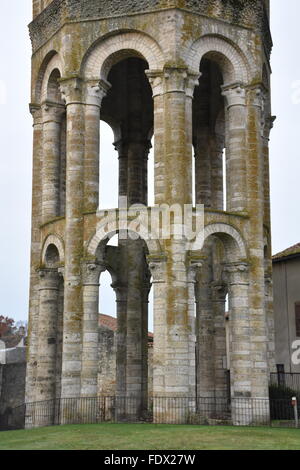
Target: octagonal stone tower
[[195, 76]]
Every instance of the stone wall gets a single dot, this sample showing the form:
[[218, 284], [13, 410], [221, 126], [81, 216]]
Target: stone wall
[[107, 363], [250, 13], [12, 392]]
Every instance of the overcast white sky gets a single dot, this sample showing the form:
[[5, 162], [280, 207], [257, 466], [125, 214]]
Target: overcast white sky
[[16, 144]]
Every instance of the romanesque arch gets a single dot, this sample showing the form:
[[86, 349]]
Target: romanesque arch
[[234, 65], [56, 241], [104, 54], [51, 62], [232, 240]]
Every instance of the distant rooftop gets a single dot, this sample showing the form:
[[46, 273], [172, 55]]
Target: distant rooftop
[[292, 252], [111, 323]]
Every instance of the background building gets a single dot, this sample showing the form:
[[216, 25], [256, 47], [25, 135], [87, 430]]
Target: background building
[[286, 281]]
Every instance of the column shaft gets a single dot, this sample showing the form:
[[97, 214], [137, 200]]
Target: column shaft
[[255, 235], [236, 149], [90, 350], [48, 317], [52, 118], [73, 308], [35, 254]]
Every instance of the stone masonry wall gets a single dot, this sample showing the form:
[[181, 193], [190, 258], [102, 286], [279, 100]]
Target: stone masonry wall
[[12, 393], [250, 13]]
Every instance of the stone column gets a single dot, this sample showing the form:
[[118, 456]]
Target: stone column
[[241, 355], [52, 122], [205, 334], [203, 171], [122, 150], [95, 91], [145, 341], [90, 361], [121, 356], [268, 125], [73, 307], [173, 174], [35, 256], [255, 241], [172, 94], [219, 292], [46, 368], [269, 308], [236, 147], [216, 154], [193, 275]]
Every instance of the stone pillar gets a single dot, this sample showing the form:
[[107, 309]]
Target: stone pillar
[[73, 307], [269, 308], [236, 147], [46, 368], [59, 333], [121, 356], [203, 170], [145, 342], [122, 150], [205, 334], [219, 292], [193, 275], [216, 152], [52, 122], [255, 240], [95, 92], [35, 255], [268, 125], [173, 174], [90, 359], [241, 355]]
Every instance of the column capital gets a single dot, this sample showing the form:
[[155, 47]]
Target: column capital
[[194, 269], [71, 90], [219, 291], [49, 278], [235, 94], [257, 95], [157, 266], [120, 291], [35, 110], [91, 271], [236, 273], [268, 126], [95, 91], [52, 112], [173, 79]]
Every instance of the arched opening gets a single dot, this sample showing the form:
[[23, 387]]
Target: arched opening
[[209, 136], [129, 105], [126, 261], [108, 168], [52, 256], [50, 330], [54, 149], [222, 299]]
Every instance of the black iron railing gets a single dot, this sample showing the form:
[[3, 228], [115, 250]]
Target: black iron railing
[[164, 410]]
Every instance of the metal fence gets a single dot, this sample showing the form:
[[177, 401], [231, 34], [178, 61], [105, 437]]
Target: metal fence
[[286, 380], [164, 410]]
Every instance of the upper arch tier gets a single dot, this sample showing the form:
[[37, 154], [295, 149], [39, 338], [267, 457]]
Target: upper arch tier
[[246, 13]]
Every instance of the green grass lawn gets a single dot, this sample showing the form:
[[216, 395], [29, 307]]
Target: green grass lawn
[[150, 437]]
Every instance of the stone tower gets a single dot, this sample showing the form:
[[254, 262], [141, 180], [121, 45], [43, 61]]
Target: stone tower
[[195, 76]]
